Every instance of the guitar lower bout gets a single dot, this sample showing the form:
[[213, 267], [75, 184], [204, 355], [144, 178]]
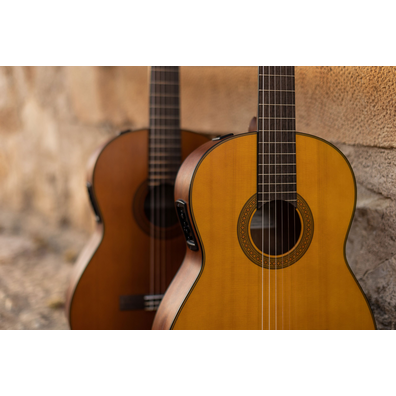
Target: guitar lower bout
[[120, 277], [229, 283]]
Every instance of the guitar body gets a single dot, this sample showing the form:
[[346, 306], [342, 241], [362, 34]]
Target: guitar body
[[223, 285], [116, 261]]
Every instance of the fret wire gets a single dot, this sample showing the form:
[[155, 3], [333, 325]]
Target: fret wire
[[268, 184], [277, 118], [171, 133], [278, 192], [276, 75], [273, 175], [277, 90], [164, 146], [287, 200], [161, 154], [164, 95], [162, 177], [165, 82], [283, 164], [161, 117], [276, 104], [164, 162], [160, 106]]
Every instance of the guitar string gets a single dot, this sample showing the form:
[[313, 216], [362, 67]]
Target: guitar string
[[165, 77], [151, 132], [157, 176], [287, 113], [294, 178], [262, 206], [292, 71], [276, 203], [151, 183], [267, 80], [276, 81], [281, 110], [270, 291], [263, 171], [161, 198], [278, 238], [163, 88], [269, 203], [290, 115], [158, 195], [260, 169], [157, 189], [274, 273]]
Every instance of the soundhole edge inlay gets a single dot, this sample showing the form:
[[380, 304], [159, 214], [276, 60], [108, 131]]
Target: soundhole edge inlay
[[274, 262]]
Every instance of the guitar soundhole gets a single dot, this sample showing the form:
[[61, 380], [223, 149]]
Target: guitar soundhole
[[275, 228], [159, 206]]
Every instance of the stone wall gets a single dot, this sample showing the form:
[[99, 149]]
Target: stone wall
[[355, 108], [52, 118]]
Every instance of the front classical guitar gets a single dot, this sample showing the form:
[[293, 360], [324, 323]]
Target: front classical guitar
[[270, 212], [121, 275]]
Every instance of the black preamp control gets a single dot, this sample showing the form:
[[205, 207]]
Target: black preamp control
[[181, 208]]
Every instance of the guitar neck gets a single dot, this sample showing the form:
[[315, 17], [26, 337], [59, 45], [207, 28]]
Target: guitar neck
[[276, 144], [164, 135]]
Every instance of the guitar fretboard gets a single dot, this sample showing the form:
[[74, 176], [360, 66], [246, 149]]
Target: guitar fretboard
[[164, 136], [276, 145]]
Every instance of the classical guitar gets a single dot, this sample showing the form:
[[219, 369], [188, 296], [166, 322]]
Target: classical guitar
[[269, 212], [121, 275]]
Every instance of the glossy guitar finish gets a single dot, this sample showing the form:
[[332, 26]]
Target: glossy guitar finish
[[116, 262], [229, 283], [219, 287]]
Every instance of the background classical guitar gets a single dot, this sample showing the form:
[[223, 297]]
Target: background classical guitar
[[270, 212], [121, 275]]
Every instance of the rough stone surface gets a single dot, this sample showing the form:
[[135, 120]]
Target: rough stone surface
[[379, 284], [35, 264], [352, 105], [371, 246]]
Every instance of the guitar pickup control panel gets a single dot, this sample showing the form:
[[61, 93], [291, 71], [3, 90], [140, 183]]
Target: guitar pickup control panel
[[181, 208]]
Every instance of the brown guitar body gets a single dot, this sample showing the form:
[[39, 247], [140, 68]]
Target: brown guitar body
[[223, 285], [116, 261]]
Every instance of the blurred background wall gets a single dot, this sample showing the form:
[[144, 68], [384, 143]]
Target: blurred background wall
[[52, 119]]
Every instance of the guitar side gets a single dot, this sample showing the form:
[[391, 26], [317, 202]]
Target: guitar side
[[116, 261], [220, 287]]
